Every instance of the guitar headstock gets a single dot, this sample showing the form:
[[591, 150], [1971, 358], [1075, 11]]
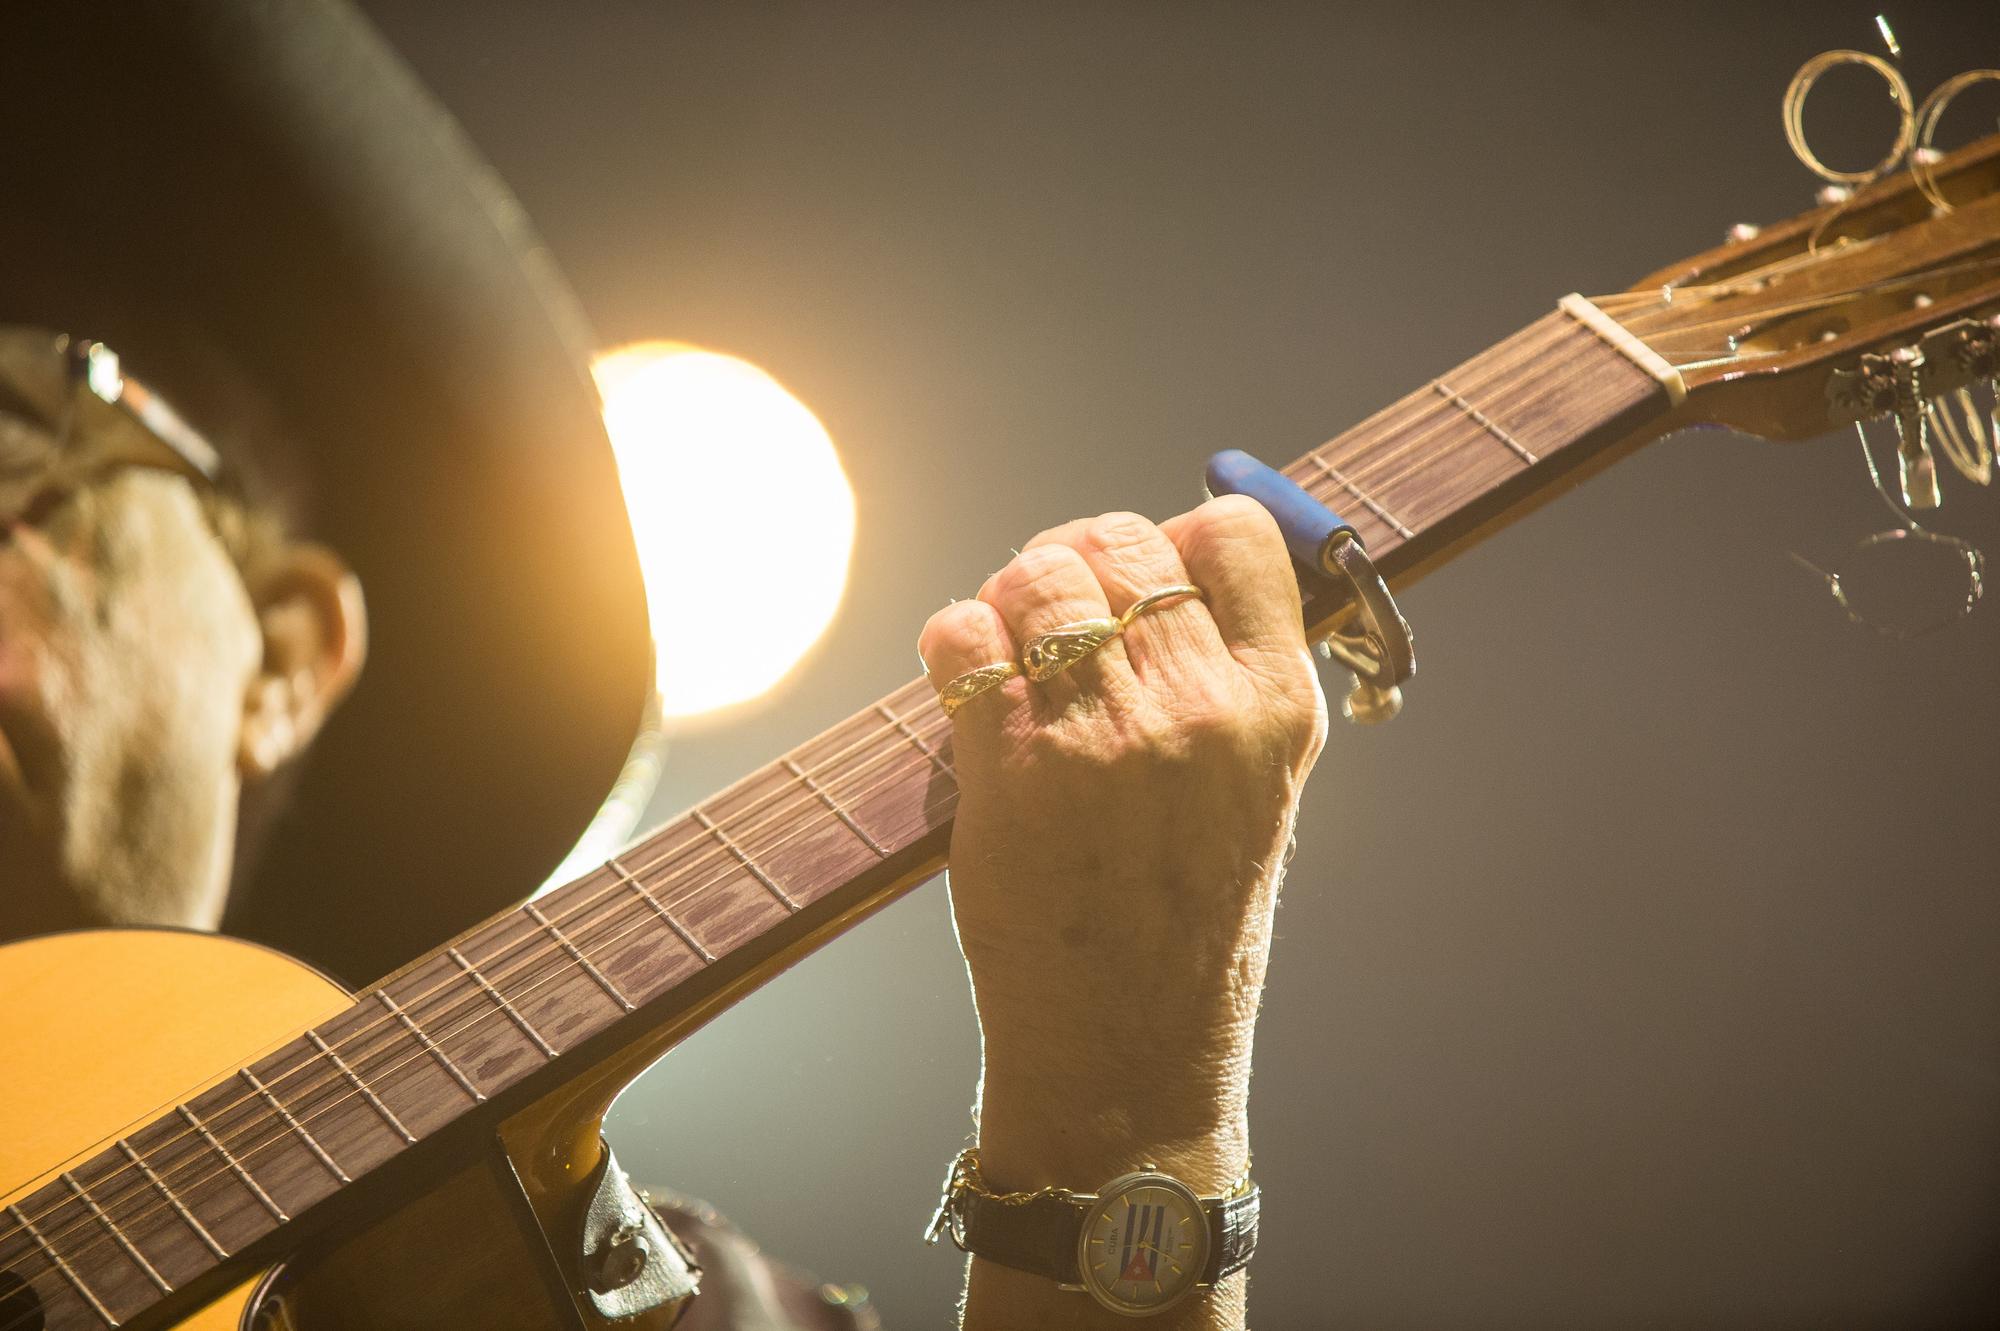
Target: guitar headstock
[[1871, 306]]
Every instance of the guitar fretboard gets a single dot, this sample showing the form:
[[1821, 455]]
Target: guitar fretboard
[[147, 1228]]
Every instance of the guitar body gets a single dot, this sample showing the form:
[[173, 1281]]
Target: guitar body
[[104, 1028]]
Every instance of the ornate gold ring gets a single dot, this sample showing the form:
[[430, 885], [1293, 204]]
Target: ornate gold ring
[[1047, 655], [964, 688]]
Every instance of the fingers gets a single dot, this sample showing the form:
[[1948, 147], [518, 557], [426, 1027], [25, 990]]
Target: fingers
[[963, 636], [1235, 553], [1131, 558], [1096, 568], [1045, 588]]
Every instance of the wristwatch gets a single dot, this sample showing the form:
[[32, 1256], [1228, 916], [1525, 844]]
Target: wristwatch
[[1138, 1245]]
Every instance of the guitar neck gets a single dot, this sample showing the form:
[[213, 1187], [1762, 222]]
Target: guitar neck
[[725, 895]]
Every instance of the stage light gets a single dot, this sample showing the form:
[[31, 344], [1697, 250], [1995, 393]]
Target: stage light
[[743, 517]]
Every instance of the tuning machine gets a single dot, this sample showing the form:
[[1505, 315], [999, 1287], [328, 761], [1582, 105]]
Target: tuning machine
[[1925, 386], [1337, 581], [1957, 358]]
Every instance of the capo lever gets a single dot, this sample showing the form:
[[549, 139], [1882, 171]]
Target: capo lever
[[1337, 580]]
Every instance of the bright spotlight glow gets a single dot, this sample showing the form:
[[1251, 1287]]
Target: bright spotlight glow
[[743, 517]]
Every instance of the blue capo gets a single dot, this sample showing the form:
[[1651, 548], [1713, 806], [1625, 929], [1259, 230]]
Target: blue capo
[[1337, 581]]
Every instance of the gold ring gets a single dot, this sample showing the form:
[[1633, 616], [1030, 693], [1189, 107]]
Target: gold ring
[[1049, 654], [964, 688], [1174, 595]]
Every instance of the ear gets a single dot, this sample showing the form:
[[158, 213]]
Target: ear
[[315, 633]]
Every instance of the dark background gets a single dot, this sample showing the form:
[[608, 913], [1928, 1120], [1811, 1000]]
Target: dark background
[[1643, 972]]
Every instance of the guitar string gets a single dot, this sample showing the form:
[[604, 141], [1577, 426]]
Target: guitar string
[[533, 934], [458, 995], [1398, 423], [1660, 321], [1449, 501], [1531, 340], [1495, 404], [1374, 466], [586, 905], [1500, 371], [1523, 345], [639, 917]]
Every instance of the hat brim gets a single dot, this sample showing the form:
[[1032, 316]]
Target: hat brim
[[274, 177]]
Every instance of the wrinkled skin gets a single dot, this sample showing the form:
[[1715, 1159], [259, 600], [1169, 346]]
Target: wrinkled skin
[[127, 647], [1120, 835], [144, 679]]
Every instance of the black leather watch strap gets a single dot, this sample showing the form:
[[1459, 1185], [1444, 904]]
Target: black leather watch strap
[[1040, 1235], [1232, 1225]]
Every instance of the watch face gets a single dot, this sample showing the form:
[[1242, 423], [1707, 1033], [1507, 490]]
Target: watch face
[[1144, 1245]]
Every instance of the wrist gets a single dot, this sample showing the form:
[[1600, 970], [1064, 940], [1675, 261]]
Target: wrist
[[1076, 1125]]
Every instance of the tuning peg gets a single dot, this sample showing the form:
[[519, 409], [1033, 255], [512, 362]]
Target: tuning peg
[[1369, 705], [1963, 434], [1916, 468]]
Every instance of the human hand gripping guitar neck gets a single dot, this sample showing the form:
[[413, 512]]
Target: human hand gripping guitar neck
[[1118, 954]]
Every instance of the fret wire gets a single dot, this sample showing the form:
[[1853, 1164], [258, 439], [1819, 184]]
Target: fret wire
[[1502, 364], [1395, 524], [1364, 443], [1423, 450], [1478, 481], [367, 1092], [527, 1027], [743, 857], [1524, 393], [117, 1234], [937, 760], [1411, 447], [256, 1188], [562, 940], [312, 1144], [834, 805], [646, 895], [1394, 421], [430, 1046], [201, 1230], [63, 1265], [1453, 396], [585, 906], [1469, 486], [1471, 482]]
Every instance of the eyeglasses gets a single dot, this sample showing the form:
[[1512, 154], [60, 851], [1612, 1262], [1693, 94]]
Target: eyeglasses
[[69, 415]]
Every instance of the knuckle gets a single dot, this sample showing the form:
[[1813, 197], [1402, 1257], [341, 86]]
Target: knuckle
[[1235, 518], [1036, 566], [1112, 532], [959, 629]]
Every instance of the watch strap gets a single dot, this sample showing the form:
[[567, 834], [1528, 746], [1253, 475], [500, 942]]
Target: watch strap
[[1039, 1235]]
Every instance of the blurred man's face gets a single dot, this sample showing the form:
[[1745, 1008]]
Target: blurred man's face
[[128, 646]]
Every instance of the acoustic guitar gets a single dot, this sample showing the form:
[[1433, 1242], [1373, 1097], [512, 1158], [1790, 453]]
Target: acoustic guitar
[[200, 1132]]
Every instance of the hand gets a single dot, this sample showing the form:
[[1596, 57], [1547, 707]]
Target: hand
[[1120, 834]]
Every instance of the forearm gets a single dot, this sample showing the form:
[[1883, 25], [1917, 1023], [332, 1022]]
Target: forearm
[[1119, 837], [1147, 1072]]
